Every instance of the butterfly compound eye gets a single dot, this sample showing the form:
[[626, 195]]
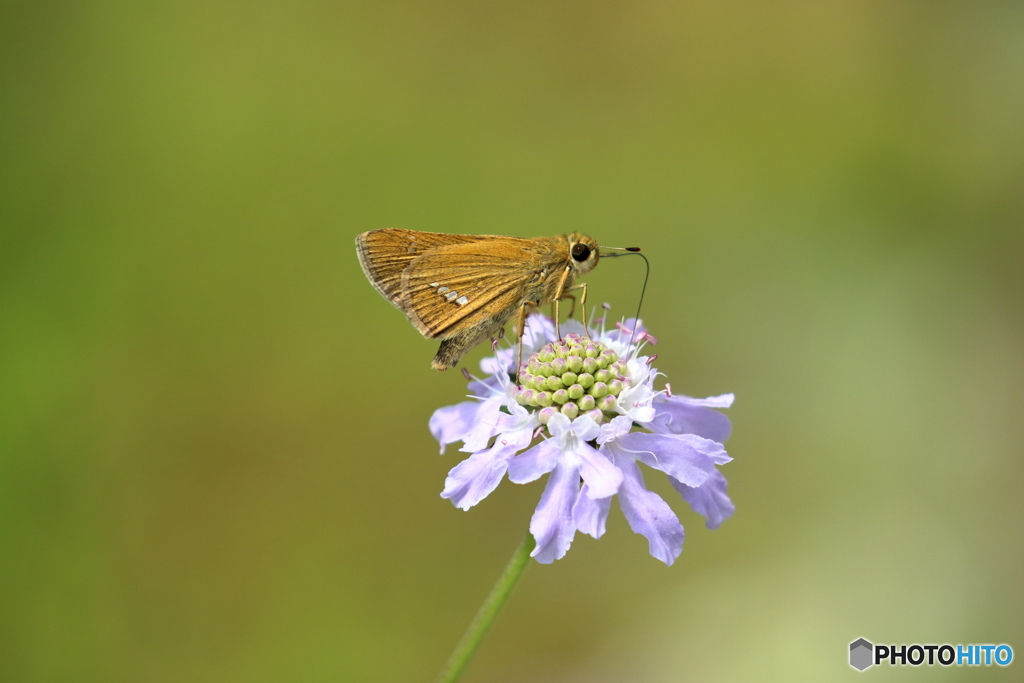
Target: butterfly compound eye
[[580, 251]]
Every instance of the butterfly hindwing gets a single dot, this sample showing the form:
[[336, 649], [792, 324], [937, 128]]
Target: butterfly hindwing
[[473, 285]]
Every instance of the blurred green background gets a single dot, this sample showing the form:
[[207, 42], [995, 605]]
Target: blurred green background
[[214, 456]]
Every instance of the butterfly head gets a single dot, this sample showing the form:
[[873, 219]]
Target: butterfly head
[[583, 252]]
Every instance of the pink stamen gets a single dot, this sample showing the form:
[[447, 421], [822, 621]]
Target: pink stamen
[[645, 335], [668, 389], [651, 358], [465, 373]]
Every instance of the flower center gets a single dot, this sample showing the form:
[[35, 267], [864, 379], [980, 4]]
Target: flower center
[[574, 376]]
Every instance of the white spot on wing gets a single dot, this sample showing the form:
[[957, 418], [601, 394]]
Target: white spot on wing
[[434, 285], [462, 300], [450, 295], [442, 290]]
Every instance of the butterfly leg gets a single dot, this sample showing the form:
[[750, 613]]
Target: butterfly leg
[[583, 302], [572, 306], [559, 292]]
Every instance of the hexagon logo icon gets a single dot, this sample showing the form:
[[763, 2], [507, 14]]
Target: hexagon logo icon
[[861, 654]]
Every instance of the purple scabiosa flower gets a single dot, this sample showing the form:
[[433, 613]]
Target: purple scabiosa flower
[[584, 410]]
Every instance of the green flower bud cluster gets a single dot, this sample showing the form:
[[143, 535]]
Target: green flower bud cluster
[[574, 376]]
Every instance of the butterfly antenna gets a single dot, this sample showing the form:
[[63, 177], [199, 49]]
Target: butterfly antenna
[[633, 251]]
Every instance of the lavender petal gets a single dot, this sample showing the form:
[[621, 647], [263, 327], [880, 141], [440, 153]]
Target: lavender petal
[[709, 500], [649, 515], [552, 524]]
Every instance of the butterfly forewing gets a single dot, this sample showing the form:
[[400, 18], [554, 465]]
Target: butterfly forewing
[[458, 287], [384, 254]]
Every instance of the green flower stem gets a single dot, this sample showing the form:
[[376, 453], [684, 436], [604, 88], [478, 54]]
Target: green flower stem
[[488, 611]]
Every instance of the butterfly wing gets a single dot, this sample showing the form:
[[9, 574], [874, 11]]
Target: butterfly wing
[[385, 254], [473, 285]]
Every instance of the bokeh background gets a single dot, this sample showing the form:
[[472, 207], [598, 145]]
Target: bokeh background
[[214, 457]]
